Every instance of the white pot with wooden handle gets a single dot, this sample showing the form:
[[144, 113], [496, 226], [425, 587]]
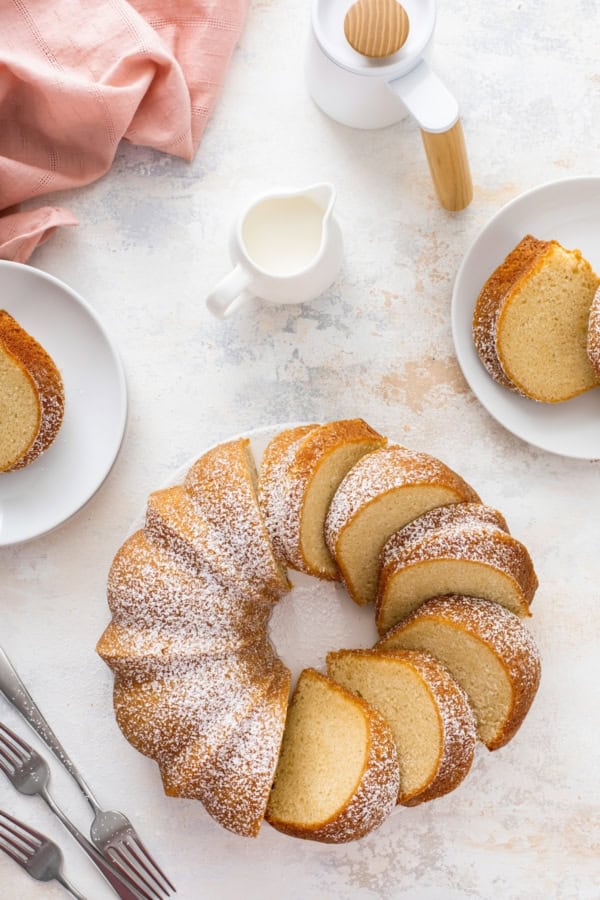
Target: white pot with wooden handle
[[354, 78]]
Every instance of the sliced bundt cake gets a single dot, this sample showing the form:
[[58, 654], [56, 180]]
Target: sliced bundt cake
[[156, 598], [337, 777], [428, 713], [295, 494], [276, 459], [198, 685], [487, 650]]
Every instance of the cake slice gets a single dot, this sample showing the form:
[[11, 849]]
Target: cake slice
[[31, 397], [295, 497], [428, 713], [487, 650], [477, 560], [337, 776], [384, 491], [530, 323]]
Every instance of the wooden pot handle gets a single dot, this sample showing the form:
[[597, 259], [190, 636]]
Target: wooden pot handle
[[449, 166]]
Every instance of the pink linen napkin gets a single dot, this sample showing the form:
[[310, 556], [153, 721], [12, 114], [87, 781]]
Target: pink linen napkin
[[77, 76]]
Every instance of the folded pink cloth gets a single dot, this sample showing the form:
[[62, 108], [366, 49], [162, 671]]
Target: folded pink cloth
[[77, 76]]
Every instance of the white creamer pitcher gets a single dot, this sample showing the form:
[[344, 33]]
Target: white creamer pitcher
[[286, 248]]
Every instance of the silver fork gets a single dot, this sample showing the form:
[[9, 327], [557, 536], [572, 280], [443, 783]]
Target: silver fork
[[112, 833], [37, 854], [29, 773]]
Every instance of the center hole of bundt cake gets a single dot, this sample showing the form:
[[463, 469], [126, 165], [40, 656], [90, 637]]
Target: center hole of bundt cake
[[315, 618]]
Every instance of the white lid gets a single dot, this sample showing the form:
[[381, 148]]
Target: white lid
[[328, 24]]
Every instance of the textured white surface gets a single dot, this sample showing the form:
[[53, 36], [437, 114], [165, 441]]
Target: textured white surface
[[378, 344]]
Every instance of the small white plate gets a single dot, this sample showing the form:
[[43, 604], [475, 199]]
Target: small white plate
[[567, 211], [41, 496]]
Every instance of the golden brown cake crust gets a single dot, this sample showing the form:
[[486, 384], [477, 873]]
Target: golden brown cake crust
[[377, 788], [458, 725], [383, 472], [505, 636], [42, 371], [456, 515], [380, 474], [526, 258]]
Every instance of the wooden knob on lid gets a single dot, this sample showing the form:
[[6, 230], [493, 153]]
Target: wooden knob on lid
[[376, 28]]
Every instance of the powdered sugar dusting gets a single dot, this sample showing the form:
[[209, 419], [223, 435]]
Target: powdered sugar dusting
[[221, 483], [194, 704], [188, 642], [176, 520], [482, 543], [235, 783], [467, 515], [151, 588]]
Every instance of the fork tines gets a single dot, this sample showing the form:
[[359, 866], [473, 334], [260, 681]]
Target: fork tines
[[130, 856], [18, 841], [12, 749]]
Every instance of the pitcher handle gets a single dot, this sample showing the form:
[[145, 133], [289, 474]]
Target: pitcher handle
[[436, 110], [227, 291], [449, 166]]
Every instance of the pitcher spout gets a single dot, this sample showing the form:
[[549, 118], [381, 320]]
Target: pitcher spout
[[323, 195]]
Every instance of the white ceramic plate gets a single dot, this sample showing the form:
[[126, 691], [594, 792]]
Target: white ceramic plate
[[569, 212], [41, 496], [317, 616]]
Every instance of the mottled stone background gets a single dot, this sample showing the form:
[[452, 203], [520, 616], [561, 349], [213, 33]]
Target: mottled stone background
[[152, 240]]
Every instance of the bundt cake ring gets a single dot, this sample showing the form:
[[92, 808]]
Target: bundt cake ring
[[194, 596]]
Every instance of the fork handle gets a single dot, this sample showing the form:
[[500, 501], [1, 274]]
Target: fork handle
[[120, 883], [69, 887], [18, 696]]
